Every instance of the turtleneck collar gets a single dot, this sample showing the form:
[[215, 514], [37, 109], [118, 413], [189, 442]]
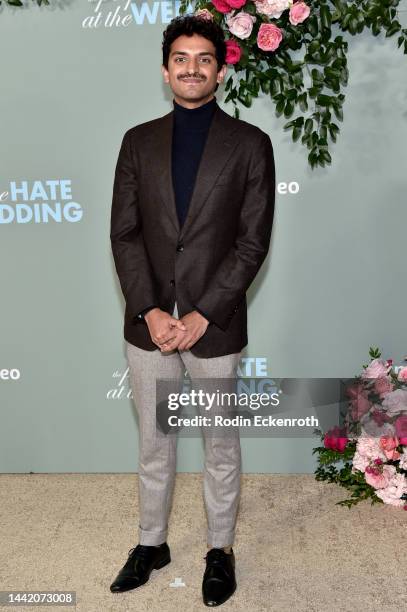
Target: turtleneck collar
[[198, 118]]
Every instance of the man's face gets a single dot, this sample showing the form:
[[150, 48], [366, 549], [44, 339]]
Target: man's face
[[192, 70]]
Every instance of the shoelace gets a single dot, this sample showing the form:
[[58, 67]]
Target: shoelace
[[140, 551], [215, 557]]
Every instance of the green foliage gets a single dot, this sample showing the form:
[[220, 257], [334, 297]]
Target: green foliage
[[309, 92], [353, 482]]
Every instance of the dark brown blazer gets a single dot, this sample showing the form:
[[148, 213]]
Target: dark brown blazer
[[211, 261]]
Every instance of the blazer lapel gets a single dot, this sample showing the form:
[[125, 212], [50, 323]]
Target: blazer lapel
[[221, 141]]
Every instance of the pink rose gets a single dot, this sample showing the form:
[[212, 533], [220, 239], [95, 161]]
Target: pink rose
[[378, 479], [269, 37], [376, 369], [204, 14], [299, 12], [272, 8], [388, 444], [236, 4], [241, 24], [221, 6], [233, 52], [383, 385], [335, 439], [402, 375], [401, 429]]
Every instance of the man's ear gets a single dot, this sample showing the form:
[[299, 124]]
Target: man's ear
[[165, 74]]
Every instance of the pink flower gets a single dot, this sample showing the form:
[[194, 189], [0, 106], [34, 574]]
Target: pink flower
[[335, 440], [236, 4], [359, 462], [299, 12], [370, 448], [383, 385], [233, 52], [241, 24], [269, 37], [395, 402], [382, 479], [376, 369], [354, 390], [389, 444], [402, 375], [401, 429], [396, 487], [272, 8], [221, 6], [392, 455], [204, 14], [360, 405], [378, 416]]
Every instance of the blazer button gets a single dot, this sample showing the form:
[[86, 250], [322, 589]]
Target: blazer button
[[172, 283], [180, 247], [235, 309]]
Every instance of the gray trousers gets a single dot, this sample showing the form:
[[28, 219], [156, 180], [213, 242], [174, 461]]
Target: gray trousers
[[157, 453]]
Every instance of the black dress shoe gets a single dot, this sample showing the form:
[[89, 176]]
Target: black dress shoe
[[138, 567], [219, 581]]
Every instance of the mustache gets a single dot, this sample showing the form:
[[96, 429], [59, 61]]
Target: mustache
[[192, 76]]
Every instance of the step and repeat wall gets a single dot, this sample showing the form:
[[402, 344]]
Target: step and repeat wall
[[74, 77]]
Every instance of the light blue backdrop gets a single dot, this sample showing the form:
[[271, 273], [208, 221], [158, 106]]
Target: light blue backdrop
[[333, 284]]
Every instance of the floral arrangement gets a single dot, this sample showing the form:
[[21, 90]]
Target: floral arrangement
[[294, 51], [372, 443]]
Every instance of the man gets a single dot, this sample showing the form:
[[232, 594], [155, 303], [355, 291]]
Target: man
[[192, 214]]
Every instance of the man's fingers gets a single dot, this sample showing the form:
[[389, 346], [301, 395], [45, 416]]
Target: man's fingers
[[168, 346], [186, 343], [160, 339], [178, 324]]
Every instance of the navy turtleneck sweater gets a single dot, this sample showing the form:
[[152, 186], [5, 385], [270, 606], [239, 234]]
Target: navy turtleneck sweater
[[190, 130]]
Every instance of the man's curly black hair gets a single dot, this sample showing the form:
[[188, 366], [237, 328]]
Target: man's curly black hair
[[192, 24]]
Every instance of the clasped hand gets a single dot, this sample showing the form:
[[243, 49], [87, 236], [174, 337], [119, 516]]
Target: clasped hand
[[170, 333]]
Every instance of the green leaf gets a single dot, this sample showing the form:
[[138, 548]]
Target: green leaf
[[338, 112], [326, 157], [296, 133], [302, 100], [289, 108], [324, 100], [280, 106], [291, 94], [308, 126], [325, 15]]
